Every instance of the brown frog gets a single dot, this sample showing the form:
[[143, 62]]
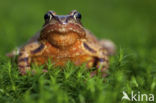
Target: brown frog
[[63, 38]]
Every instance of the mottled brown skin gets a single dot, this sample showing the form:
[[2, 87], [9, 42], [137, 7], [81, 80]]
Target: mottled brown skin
[[61, 39]]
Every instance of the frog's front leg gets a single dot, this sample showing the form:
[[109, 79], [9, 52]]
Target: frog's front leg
[[26, 54]]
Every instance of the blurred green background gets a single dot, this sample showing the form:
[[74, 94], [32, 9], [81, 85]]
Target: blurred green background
[[131, 24]]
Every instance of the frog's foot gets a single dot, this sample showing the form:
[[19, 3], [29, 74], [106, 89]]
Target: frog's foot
[[109, 45], [101, 65], [103, 73], [14, 53]]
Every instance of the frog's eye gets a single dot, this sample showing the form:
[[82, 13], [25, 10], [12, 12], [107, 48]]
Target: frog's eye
[[77, 16], [47, 16]]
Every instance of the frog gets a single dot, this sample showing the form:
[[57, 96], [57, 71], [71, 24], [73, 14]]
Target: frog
[[63, 38]]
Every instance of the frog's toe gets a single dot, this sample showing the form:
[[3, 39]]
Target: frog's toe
[[13, 53]]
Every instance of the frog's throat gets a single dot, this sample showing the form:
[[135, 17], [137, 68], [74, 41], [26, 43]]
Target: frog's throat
[[62, 40]]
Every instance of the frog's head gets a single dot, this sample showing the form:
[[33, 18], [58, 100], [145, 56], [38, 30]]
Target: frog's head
[[62, 30]]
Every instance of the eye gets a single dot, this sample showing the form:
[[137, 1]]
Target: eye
[[77, 15], [47, 16]]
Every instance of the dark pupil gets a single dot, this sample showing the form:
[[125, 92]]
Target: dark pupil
[[47, 16], [78, 15]]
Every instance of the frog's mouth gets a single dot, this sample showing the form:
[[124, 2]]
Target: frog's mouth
[[63, 29], [62, 35]]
